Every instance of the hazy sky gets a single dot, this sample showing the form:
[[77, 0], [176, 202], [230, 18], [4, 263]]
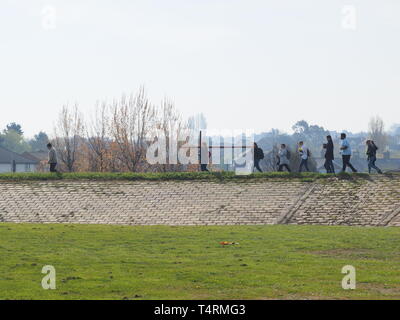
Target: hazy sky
[[244, 63]]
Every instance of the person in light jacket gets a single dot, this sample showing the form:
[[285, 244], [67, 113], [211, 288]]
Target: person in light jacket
[[345, 150], [52, 158], [304, 154], [204, 157], [283, 158]]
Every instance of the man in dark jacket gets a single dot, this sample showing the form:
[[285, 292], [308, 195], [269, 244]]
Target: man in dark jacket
[[258, 155], [329, 157], [371, 153]]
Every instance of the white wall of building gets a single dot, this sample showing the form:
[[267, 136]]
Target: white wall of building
[[25, 168], [4, 168]]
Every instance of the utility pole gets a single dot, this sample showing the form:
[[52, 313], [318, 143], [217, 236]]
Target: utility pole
[[200, 137]]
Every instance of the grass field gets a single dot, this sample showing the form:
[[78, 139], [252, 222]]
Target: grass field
[[270, 262]]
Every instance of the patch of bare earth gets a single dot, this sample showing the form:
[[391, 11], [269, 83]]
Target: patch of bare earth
[[380, 290], [350, 252]]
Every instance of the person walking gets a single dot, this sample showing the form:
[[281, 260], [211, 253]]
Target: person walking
[[304, 155], [284, 156], [258, 155], [371, 154], [52, 157], [329, 157], [204, 157], [345, 150]]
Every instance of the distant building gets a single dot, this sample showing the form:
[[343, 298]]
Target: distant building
[[14, 162], [37, 155]]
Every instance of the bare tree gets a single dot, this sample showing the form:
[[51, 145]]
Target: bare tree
[[197, 122], [68, 135], [132, 120], [171, 125], [98, 140], [377, 132]]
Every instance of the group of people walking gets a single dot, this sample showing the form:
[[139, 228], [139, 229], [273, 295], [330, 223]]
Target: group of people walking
[[304, 154]]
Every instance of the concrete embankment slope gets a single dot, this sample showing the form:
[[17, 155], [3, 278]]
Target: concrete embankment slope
[[359, 202]]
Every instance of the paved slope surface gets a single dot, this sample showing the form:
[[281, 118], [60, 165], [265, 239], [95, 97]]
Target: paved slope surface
[[331, 202]]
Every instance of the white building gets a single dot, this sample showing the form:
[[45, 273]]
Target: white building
[[14, 162]]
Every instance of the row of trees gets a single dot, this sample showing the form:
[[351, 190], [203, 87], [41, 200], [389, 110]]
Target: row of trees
[[314, 136], [115, 138], [12, 138]]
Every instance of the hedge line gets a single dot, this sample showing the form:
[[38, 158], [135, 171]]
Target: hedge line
[[307, 176]]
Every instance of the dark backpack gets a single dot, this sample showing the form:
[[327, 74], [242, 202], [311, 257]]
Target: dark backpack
[[260, 154], [288, 154], [308, 153]]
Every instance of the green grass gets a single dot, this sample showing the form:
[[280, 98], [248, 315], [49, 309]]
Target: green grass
[[185, 176], [270, 262]]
